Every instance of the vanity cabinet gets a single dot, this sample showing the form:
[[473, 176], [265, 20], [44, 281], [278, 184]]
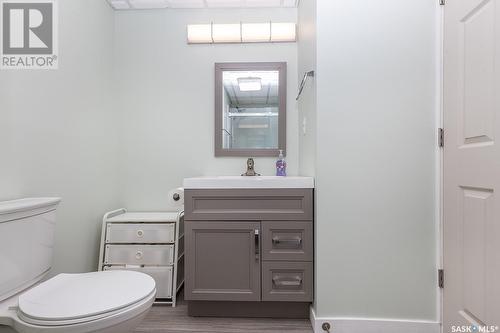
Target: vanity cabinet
[[249, 252]]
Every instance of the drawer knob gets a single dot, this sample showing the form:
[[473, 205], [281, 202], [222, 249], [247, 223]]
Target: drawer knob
[[140, 233], [138, 255]]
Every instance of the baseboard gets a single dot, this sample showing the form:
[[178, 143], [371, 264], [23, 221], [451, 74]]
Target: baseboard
[[370, 325], [291, 310]]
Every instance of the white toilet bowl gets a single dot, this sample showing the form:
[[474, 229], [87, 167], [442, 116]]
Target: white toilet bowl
[[103, 302]]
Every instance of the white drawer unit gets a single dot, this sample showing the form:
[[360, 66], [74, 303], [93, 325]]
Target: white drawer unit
[[132, 254], [149, 233], [162, 276], [151, 243]]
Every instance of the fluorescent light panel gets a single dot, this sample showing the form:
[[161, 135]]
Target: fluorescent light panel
[[225, 3], [200, 33], [226, 33], [241, 33], [187, 4], [255, 32], [148, 4], [283, 32], [263, 3], [291, 3], [120, 4], [153, 4]]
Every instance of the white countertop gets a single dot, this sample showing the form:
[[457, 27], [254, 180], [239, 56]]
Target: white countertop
[[238, 182]]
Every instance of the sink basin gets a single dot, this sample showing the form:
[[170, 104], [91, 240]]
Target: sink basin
[[221, 182]]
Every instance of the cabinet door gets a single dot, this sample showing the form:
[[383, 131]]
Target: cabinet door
[[222, 261]]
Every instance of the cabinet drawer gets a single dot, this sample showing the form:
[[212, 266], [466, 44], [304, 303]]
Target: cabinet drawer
[[291, 241], [159, 255], [140, 233], [249, 204], [287, 281], [161, 275]]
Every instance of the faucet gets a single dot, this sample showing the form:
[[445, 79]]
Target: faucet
[[250, 168]]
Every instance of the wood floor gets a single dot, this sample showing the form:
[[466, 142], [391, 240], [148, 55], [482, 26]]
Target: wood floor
[[165, 319]]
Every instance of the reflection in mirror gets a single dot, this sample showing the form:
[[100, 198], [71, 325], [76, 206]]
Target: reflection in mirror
[[250, 109]]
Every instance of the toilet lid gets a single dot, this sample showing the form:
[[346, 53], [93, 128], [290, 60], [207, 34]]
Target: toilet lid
[[79, 296]]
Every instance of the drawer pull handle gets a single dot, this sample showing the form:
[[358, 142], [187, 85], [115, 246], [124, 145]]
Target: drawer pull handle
[[297, 281], [257, 244], [140, 233], [138, 255], [277, 240]]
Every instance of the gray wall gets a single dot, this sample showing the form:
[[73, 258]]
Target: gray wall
[[58, 135], [165, 98], [376, 137]]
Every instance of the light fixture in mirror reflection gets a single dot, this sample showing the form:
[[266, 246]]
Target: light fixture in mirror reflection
[[250, 108]]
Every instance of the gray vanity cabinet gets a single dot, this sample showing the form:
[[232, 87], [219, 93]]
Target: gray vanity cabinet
[[249, 252], [223, 261]]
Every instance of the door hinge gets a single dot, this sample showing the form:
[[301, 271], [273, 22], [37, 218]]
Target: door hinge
[[441, 278], [442, 2], [441, 137]]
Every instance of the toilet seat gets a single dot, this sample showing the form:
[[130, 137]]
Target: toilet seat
[[72, 299]]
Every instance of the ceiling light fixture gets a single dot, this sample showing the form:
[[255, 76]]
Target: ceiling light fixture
[[241, 33]]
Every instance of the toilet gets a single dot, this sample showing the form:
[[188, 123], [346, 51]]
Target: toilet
[[104, 302]]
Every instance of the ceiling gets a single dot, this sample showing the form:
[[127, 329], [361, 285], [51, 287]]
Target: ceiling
[[154, 4], [266, 97]]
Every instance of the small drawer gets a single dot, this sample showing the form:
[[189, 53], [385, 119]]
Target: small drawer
[[290, 240], [159, 255], [287, 281], [161, 275], [151, 233]]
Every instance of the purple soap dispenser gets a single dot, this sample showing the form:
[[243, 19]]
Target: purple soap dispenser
[[281, 165]]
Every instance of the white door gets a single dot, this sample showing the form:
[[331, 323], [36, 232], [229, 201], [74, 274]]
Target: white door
[[472, 164]]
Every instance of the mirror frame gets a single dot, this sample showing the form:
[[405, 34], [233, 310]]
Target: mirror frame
[[248, 66]]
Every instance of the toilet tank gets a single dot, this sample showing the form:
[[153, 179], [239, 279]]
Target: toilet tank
[[26, 242]]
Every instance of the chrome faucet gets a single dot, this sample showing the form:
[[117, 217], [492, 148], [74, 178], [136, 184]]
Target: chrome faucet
[[250, 168]]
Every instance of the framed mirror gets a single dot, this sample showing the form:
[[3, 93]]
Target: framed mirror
[[250, 109]]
